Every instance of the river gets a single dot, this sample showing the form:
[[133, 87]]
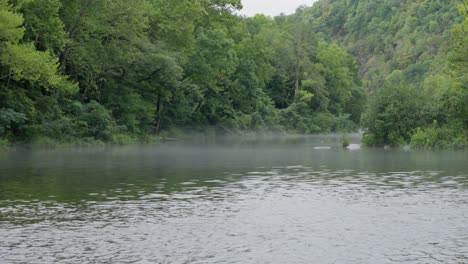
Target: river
[[296, 199]]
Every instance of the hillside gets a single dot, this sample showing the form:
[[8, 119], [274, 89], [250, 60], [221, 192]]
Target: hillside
[[113, 71], [410, 35]]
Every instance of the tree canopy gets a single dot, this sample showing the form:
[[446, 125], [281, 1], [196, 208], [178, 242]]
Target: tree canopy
[[116, 70]]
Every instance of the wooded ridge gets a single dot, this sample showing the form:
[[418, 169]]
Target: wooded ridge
[[123, 71]]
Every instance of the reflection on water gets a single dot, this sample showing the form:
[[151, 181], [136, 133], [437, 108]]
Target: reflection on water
[[281, 200]]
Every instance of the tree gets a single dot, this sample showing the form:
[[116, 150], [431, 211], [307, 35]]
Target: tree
[[21, 61], [210, 68], [393, 115]]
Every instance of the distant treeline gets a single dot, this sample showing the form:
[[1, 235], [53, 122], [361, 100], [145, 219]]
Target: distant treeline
[[413, 58], [122, 71]]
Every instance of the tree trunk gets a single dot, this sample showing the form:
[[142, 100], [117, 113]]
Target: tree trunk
[[199, 105], [9, 79], [158, 116], [298, 69], [296, 87], [298, 66]]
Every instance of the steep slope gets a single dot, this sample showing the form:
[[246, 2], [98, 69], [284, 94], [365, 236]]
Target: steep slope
[[387, 35]]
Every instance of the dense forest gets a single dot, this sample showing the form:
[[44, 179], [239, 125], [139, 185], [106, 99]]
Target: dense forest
[[413, 62], [90, 71]]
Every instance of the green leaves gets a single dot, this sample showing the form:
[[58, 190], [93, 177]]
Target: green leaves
[[9, 118], [214, 59], [341, 77], [458, 54], [22, 61], [11, 30], [26, 63], [114, 69], [43, 25], [394, 113]]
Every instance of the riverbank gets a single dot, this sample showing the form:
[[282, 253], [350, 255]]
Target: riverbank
[[429, 138], [50, 143], [428, 141]]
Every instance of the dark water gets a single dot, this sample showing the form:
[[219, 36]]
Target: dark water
[[271, 201]]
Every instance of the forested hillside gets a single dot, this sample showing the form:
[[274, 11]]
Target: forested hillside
[[122, 71], [410, 36], [413, 62]]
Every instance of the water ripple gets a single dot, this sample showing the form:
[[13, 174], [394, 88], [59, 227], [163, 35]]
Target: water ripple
[[289, 214]]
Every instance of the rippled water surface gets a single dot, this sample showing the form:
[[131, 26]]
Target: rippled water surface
[[282, 200]]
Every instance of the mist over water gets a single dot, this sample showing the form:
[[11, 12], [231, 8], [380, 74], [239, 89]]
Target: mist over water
[[294, 199]]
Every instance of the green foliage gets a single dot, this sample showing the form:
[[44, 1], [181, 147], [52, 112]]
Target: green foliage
[[123, 139], [327, 122], [449, 136], [297, 119], [457, 97], [393, 114], [458, 54], [10, 119], [124, 71], [22, 61], [4, 144], [344, 141], [370, 140], [26, 63], [388, 35], [96, 121], [11, 30], [420, 93], [43, 25], [341, 76]]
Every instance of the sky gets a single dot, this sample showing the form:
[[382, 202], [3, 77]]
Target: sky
[[272, 7]]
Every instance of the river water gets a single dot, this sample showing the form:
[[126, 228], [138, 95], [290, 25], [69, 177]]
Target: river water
[[277, 200]]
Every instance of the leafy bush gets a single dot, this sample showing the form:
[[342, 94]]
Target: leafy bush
[[331, 123], [96, 121], [9, 119], [439, 137], [326, 122], [393, 114], [4, 143], [59, 129], [45, 142], [344, 141], [369, 140], [123, 139]]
